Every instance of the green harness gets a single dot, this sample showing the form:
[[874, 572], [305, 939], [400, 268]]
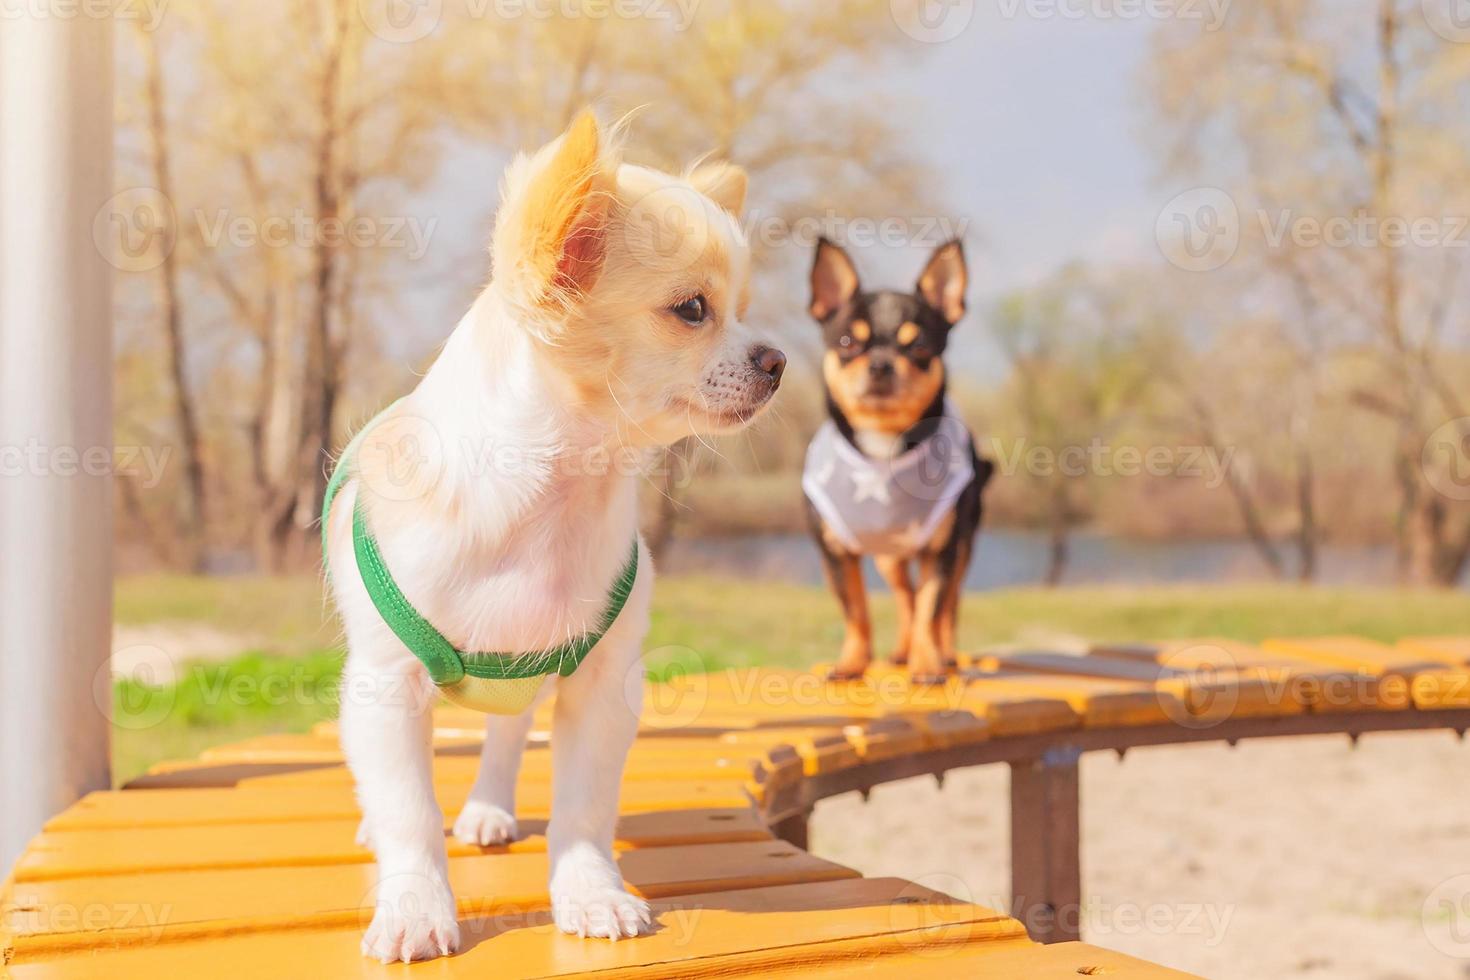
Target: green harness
[[498, 683]]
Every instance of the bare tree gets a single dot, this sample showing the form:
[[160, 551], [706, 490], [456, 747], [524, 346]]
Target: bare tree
[[1347, 112]]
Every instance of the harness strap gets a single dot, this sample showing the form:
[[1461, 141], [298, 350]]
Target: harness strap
[[446, 664]]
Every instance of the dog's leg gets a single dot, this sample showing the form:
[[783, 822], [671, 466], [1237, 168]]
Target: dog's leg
[[845, 572], [949, 601], [597, 710], [386, 728], [926, 661], [488, 816], [895, 572]]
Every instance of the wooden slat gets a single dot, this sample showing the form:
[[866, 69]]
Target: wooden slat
[[185, 807], [822, 749], [1059, 961], [170, 906], [134, 850], [1322, 688], [1454, 650], [321, 761], [1355, 653], [1211, 693], [1100, 703], [793, 930]]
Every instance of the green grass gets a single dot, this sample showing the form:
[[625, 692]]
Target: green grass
[[285, 678]]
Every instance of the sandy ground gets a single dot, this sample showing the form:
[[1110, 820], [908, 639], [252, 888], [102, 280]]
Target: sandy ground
[[157, 653], [1279, 858]]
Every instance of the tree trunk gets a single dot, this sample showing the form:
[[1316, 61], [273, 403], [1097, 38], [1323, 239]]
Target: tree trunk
[[192, 518], [1059, 520], [324, 348], [1306, 509]]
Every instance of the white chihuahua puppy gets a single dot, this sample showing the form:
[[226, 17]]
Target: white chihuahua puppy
[[500, 503]]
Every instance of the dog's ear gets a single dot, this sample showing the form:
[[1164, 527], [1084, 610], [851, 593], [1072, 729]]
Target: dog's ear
[[943, 281], [834, 279], [723, 183], [551, 233]]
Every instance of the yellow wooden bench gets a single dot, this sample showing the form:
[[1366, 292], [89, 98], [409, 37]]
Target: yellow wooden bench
[[242, 862]]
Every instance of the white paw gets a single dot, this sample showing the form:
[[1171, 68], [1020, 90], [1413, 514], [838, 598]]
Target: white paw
[[485, 824], [601, 912], [413, 920], [363, 837]]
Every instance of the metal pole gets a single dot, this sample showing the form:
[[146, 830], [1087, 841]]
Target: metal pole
[[1046, 869], [55, 414]]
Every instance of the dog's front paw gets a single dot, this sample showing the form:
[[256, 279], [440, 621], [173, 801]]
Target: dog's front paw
[[601, 912], [485, 824], [414, 919]]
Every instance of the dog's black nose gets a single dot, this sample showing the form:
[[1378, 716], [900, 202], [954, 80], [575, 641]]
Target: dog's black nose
[[769, 362], [880, 370]]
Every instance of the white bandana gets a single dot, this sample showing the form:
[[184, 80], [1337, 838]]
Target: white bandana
[[889, 506]]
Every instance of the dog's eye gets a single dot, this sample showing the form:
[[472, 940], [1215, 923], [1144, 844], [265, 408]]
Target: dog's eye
[[693, 310]]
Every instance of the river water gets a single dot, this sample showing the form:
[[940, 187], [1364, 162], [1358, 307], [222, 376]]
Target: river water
[[1007, 558]]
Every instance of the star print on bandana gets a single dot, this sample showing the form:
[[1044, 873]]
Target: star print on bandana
[[870, 484]]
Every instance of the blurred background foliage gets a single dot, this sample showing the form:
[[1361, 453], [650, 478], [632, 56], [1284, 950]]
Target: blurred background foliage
[[1321, 373]]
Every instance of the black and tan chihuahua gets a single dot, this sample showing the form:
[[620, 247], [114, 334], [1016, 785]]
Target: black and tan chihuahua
[[894, 474]]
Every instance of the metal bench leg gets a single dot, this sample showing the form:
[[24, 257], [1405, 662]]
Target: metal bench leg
[[1046, 870], [793, 830]]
